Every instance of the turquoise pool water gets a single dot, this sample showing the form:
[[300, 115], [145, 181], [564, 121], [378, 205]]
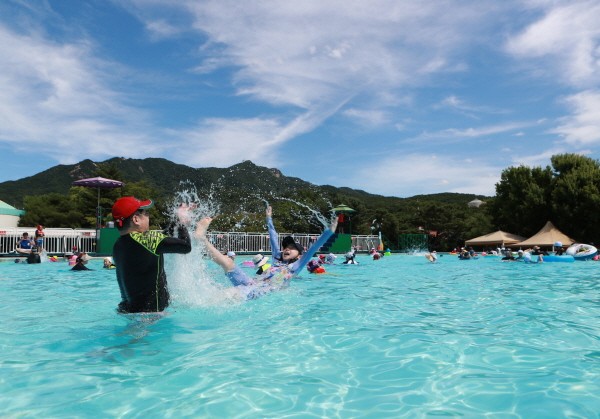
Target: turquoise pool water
[[398, 337]]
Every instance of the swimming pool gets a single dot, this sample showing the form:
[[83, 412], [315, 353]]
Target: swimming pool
[[398, 337]]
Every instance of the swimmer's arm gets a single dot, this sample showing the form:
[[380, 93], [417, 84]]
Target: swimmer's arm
[[333, 225], [180, 244], [303, 261], [273, 236]]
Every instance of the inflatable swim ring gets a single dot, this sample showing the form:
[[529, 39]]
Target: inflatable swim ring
[[581, 251], [559, 258]]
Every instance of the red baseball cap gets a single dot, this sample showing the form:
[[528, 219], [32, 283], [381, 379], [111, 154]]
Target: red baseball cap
[[126, 206]]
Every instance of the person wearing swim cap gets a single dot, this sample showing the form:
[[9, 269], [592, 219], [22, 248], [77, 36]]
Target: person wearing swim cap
[[287, 262], [82, 260], [261, 262], [350, 258], [138, 255], [330, 258], [108, 263]]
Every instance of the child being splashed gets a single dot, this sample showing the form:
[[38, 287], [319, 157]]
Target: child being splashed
[[290, 260]]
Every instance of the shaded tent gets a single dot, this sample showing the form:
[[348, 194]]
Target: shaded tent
[[546, 237], [499, 238]]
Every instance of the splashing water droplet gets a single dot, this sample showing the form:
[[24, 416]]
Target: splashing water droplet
[[191, 277]]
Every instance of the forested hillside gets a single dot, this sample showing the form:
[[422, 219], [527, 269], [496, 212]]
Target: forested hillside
[[241, 191]]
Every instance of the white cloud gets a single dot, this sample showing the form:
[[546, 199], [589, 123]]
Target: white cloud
[[485, 130], [568, 35], [582, 127], [539, 159], [224, 142], [367, 116], [316, 52], [55, 99], [416, 174], [457, 135], [455, 103]]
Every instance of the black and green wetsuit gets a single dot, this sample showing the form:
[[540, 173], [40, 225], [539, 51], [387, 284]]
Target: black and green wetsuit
[[140, 268]]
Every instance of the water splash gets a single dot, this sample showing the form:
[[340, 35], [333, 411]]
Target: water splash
[[417, 251], [191, 280], [323, 221], [194, 280]]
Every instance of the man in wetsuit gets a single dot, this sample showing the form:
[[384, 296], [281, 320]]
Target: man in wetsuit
[[138, 255]]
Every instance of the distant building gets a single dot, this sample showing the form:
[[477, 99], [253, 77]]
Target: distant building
[[9, 216], [476, 203]]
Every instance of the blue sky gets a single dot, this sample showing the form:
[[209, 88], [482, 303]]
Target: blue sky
[[393, 97]]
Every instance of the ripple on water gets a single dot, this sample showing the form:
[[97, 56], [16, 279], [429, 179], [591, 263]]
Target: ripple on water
[[399, 337]]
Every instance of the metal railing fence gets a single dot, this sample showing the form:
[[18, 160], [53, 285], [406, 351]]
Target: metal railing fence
[[56, 240], [259, 242], [62, 240]]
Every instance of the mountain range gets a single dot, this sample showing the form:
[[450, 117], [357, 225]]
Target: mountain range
[[166, 176]]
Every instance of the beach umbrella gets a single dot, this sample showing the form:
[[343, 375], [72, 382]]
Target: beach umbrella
[[98, 183], [345, 209], [342, 208]]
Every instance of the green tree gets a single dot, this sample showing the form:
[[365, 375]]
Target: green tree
[[52, 210], [568, 194], [522, 201], [476, 222], [576, 196], [88, 199]]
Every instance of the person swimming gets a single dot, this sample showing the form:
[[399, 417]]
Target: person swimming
[[432, 256], [288, 262], [108, 263], [314, 267], [261, 262], [330, 258], [375, 254], [350, 258], [34, 256], [82, 260]]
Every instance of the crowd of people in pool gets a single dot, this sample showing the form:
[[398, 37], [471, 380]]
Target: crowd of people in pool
[[507, 255], [138, 256], [33, 250], [77, 260]]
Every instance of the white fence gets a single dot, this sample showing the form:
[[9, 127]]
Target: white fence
[[62, 240], [259, 242], [56, 240]]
